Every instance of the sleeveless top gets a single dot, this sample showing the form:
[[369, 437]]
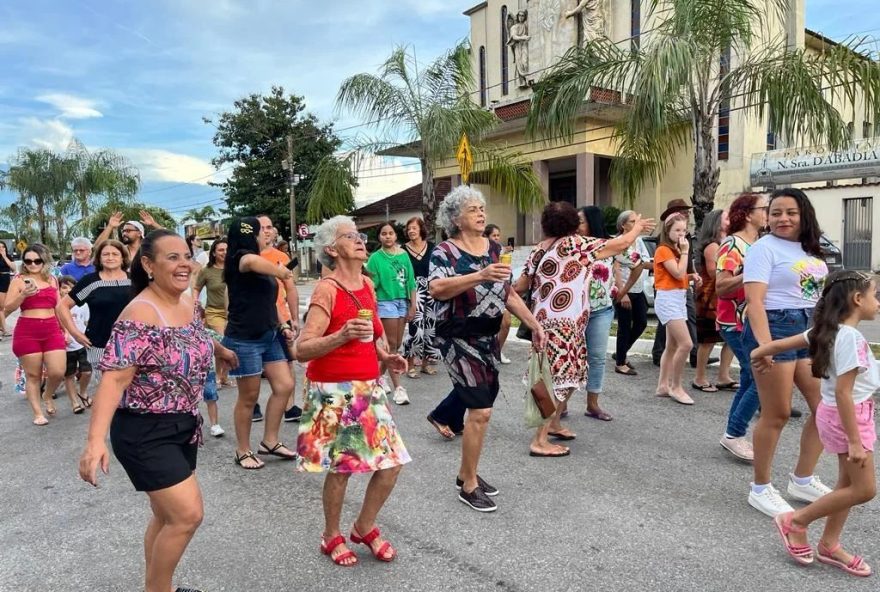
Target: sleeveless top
[[355, 360], [45, 298], [172, 364]]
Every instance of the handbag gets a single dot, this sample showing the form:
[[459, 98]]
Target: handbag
[[523, 332], [539, 401]]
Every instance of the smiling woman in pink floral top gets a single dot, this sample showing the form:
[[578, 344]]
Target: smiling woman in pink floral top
[[558, 273], [155, 365]]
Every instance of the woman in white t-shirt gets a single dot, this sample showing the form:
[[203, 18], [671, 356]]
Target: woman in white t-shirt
[[843, 360], [783, 274]]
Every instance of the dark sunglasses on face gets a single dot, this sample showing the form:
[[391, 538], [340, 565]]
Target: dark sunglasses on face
[[33, 261]]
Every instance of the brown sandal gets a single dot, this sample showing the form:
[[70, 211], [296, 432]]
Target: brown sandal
[[239, 460]]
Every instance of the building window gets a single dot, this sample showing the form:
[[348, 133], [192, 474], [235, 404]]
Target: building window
[[724, 110], [771, 137], [867, 129], [483, 89], [635, 26], [504, 52]]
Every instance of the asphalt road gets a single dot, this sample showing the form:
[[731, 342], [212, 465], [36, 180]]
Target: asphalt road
[[648, 501]]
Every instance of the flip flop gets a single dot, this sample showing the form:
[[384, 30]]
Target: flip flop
[[728, 386], [561, 436], [706, 388], [445, 431], [628, 372], [429, 370], [549, 454], [601, 416], [41, 421], [413, 373], [274, 451], [78, 409], [86, 401], [248, 455]]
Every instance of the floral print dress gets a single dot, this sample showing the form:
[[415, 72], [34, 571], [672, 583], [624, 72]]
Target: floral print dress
[[561, 299]]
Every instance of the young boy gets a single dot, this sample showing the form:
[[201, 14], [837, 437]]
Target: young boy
[[77, 362]]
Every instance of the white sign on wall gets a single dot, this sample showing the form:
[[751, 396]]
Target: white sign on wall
[[816, 164]]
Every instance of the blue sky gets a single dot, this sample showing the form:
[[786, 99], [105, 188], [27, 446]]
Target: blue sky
[[139, 76]]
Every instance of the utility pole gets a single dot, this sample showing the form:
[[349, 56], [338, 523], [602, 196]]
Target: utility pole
[[291, 180]]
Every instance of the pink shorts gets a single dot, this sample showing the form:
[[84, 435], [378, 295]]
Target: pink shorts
[[833, 435], [37, 336]]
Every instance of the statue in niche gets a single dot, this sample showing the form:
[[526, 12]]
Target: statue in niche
[[518, 40], [592, 21]]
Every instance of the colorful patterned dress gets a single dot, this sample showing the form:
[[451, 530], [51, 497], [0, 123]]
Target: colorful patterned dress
[[346, 425], [418, 340], [561, 291]]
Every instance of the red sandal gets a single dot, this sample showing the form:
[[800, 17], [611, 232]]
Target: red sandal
[[368, 539], [327, 548], [802, 554], [856, 565]]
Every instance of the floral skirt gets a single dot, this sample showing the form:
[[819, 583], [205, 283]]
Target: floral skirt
[[418, 340], [346, 427]]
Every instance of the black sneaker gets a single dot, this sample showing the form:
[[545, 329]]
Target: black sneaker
[[487, 489], [477, 500], [795, 412], [258, 415], [293, 414]]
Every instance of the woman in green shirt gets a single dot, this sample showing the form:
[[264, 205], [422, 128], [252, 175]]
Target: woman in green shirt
[[395, 283], [211, 278]]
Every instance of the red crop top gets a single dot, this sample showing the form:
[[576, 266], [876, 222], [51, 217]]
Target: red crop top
[[356, 360], [44, 298]]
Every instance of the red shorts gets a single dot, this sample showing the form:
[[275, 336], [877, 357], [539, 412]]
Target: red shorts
[[37, 336], [833, 435]]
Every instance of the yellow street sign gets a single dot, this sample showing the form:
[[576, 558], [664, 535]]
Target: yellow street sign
[[465, 158], [21, 245]]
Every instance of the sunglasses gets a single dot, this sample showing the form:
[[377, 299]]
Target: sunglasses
[[33, 261]]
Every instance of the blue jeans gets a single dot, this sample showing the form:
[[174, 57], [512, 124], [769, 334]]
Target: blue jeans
[[598, 330], [782, 324], [253, 354], [745, 402]]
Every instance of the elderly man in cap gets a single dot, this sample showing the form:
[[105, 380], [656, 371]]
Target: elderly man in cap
[[680, 206], [132, 232]]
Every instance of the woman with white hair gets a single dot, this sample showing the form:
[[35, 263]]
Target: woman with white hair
[[630, 302], [472, 290], [346, 425]]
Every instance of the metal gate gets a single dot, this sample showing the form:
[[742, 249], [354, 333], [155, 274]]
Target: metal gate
[[857, 233]]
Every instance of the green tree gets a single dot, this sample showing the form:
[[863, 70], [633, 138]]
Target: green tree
[[675, 88], [20, 218], [422, 111], [41, 178], [253, 138], [199, 215], [102, 173]]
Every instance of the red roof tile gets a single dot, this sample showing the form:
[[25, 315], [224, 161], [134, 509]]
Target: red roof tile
[[407, 200]]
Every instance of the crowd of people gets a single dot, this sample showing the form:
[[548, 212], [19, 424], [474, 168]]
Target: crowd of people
[[128, 312]]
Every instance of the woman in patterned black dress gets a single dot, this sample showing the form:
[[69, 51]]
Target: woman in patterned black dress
[[418, 341]]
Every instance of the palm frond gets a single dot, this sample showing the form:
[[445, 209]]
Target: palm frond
[[375, 99], [331, 192], [510, 175]]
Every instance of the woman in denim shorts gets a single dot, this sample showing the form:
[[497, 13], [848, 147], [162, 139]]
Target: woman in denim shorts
[[252, 333], [783, 274]]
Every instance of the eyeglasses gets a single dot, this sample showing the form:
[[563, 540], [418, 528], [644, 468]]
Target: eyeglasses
[[81, 250], [352, 236], [32, 261], [765, 208]]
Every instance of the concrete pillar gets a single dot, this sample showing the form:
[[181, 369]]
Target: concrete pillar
[[532, 220], [585, 167], [794, 24]]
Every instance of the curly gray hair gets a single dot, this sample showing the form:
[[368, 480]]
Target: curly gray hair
[[81, 241], [326, 235], [452, 205]]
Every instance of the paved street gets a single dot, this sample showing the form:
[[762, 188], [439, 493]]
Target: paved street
[[646, 502]]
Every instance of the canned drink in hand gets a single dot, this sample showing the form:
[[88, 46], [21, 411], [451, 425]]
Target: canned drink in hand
[[506, 258], [366, 314]]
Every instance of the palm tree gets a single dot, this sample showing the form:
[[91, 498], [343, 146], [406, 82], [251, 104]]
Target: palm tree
[[41, 178], [99, 173], [422, 112], [198, 215], [681, 77]]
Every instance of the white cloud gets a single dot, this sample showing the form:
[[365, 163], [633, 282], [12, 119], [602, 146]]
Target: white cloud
[[70, 106], [164, 165], [379, 177], [53, 134]]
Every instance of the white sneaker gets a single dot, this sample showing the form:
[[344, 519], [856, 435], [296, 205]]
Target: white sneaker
[[400, 396], [809, 492], [504, 359], [217, 431], [769, 502], [383, 382], [741, 448]]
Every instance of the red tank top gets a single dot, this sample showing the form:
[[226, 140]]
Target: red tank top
[[355, 360], [45, 298]]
